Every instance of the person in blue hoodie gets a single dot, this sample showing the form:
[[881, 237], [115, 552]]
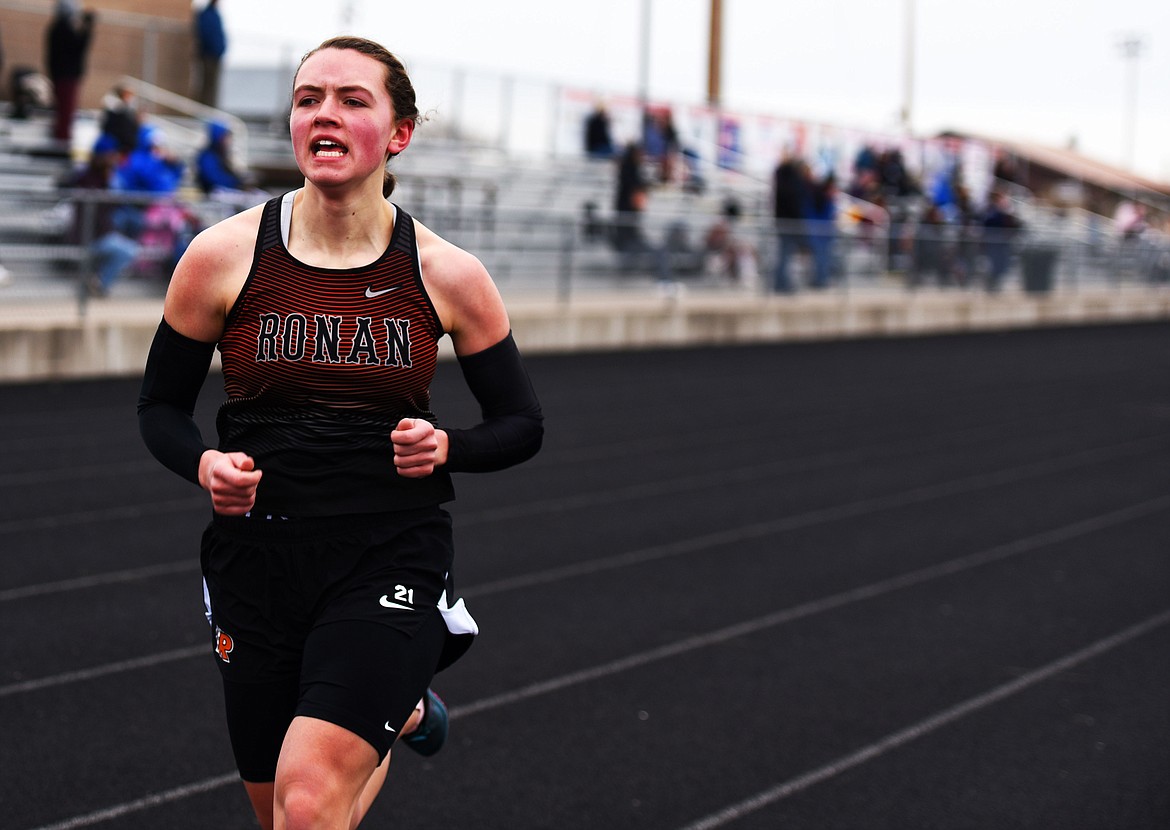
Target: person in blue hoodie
[[150, 168], [213, 165], [163, 226]]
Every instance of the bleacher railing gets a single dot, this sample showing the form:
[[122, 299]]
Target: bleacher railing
[[46, 245]]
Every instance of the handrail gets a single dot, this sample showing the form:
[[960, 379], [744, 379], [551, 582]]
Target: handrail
[[194, 109]]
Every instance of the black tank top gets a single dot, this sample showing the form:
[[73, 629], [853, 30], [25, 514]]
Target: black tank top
[[319, 366]]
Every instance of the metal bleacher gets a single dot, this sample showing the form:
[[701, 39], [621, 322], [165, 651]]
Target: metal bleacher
[[524, 217]]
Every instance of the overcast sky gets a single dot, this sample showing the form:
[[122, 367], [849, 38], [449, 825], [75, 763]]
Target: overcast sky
[[1049, 71]]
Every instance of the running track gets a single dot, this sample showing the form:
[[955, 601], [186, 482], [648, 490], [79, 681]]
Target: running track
[[916, 583]]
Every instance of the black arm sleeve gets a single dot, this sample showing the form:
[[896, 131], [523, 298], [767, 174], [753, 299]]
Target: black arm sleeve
[[175, 370], [513, 425]]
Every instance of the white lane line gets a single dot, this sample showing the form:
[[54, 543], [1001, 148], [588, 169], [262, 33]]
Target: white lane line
[[103, 515], [801, 520], [758, 530], [874, 589], [926, 726], [957, 486], [96, 580], [749, 805], [145, 803], [690, 644], [819, 606], [101, 671], [598, 498]]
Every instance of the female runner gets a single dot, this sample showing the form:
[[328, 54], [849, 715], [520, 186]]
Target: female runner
[[327, 561]]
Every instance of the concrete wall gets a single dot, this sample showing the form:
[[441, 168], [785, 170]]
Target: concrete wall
[[655, 323], [113, 337]]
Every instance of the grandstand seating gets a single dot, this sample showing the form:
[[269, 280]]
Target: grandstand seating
[[525, 217]]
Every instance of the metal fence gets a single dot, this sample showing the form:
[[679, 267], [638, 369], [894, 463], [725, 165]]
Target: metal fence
[[573, 253], [51, 240], [48, 236]]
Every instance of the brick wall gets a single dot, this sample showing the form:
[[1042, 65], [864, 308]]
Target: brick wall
[[154, 47]]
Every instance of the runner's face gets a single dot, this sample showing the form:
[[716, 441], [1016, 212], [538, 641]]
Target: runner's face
[[343, 121]]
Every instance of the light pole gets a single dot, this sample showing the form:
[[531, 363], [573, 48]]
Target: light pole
[[908, 71], [1131, 51], [644, 57], [715, 56]]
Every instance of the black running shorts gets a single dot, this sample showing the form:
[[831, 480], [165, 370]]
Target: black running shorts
[[334, 618]]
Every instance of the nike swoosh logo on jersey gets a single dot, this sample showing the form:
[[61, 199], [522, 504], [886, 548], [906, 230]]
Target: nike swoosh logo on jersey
[[390, 728], [388, 603], [371, 293]]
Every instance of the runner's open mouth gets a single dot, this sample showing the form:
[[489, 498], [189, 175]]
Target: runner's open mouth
[[328, 149]]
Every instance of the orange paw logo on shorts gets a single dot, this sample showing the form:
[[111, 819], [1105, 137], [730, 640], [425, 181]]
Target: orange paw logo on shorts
[[223, 645]]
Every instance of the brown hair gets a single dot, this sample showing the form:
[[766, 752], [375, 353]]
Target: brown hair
[[397, 83]]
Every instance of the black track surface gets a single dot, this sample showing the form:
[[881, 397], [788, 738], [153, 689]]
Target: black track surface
[[915, 583]]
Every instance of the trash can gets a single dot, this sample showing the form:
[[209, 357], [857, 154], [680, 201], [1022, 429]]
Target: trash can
[[1038, 264]]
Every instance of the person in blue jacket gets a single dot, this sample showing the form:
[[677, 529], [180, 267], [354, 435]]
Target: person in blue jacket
[[162, 225], [213, 165], [150, 168], [820, 223], [210, 47]]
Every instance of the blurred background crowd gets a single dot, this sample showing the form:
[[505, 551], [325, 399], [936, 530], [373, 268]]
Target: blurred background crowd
[[147, 136]]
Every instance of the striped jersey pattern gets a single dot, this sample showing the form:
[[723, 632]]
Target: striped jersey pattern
[[319, 366]]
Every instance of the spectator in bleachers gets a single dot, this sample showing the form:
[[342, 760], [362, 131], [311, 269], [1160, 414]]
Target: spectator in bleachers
[[789, 188], [895, 178], [120, 119], [167, 226], [930, 257], [870, 209], [966, 218], [210, 47], [151, 167], [67, 43], [730, 255], [1000, 228], [630, 201], [218, 176], [866, 161], [820, 220], [673, 146], [866, 185], [108, 226], [214, 169], [942, 188], [660, 142], [598, 140], [1130, 219]]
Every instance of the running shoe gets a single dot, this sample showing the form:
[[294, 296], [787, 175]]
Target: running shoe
[[432, 731]]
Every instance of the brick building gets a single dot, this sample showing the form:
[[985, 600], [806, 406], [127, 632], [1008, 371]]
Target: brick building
[[155, 47]]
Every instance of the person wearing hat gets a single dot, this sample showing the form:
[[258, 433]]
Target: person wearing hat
[[213, 166]]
